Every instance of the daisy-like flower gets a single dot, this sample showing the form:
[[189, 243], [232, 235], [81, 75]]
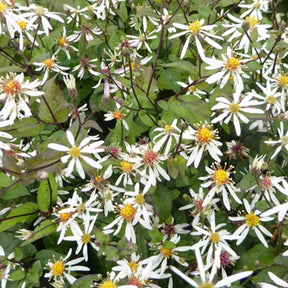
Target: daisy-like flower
[[75, 153], [85, 65], [118, 115], [14, 90], [251, 221], [247, 25], [138, 41], [165, 136], [221, 183], [278, 281], [281, 143], [129, 214], [41, 15], [205, 139], [236, 149], [215, 238], [83, 237], [207, 281], [152, 170], [168, 250], [230, 68], [255, 8], [127, 173], [197, 30], [84, 32], [111, 282], [192, 89], [61, 269], [48, 65], [270, 98], [196, 202], [235, 110]]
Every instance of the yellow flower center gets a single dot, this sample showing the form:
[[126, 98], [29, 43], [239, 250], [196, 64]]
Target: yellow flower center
[[118, 115], [11, 87], [142, 38], [283, 81], [271, 99], [195, 26], [232, 64], [90, 8], [150, 158], [140, 199], [62, 41], [168, 128], [134, 66], [81, 208], [234, 107], [58, 268], [252, 21], [204, 135], [214, 237], [75, 152], [252, 220], [206, 285], [49, 63], [108, 284], [166, 252], [99, 178], [65, 216], [3, 6], [39, 10], [108, 195], [128, 212], [278, 60], [192, 89], [126, 167], [284, 140], [22, 25], [133, 266], [221, 177], [85, 238]]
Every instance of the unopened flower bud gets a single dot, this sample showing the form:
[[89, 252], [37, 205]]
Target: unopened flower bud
[[42, 175], [71, 85]]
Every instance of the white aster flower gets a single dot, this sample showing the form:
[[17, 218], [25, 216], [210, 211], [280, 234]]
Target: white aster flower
[[61, 269], [192, 89], [75, 153], [198, 30], [221, 183], [228, 68], [235, 110], [138, 41], [252, 222], [204, 139], [255, 8]]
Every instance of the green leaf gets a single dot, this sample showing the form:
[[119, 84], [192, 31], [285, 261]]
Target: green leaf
[[225, 3], [123, 11], [56, 101], [256, 258], [185, 66], [246, 182], [102, 238], [18, 254], [173, 169], [17, 275], [252, 66], [47, 193], [86, 281], [27, 127], [162, 202], [15, 69], [21, 214], [146, 119], [45, 228], [168, 245], [14, 192]]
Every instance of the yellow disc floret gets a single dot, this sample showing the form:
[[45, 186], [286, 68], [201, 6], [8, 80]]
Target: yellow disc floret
[[49, 63], [11, 87], [195, 26], [283, 81], [108, 284], [75, 152], [221, 177], [252, 220], [204, 135], [234, 107], [168, 128], [58, 268], [207, 285], [140, 199], [214, 237], [166, 252], [62, 41], [22, 25], [133, 266], [85, 238], [126, 167], [118, 115], [232, 64], [128, 212], [252, 21]]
